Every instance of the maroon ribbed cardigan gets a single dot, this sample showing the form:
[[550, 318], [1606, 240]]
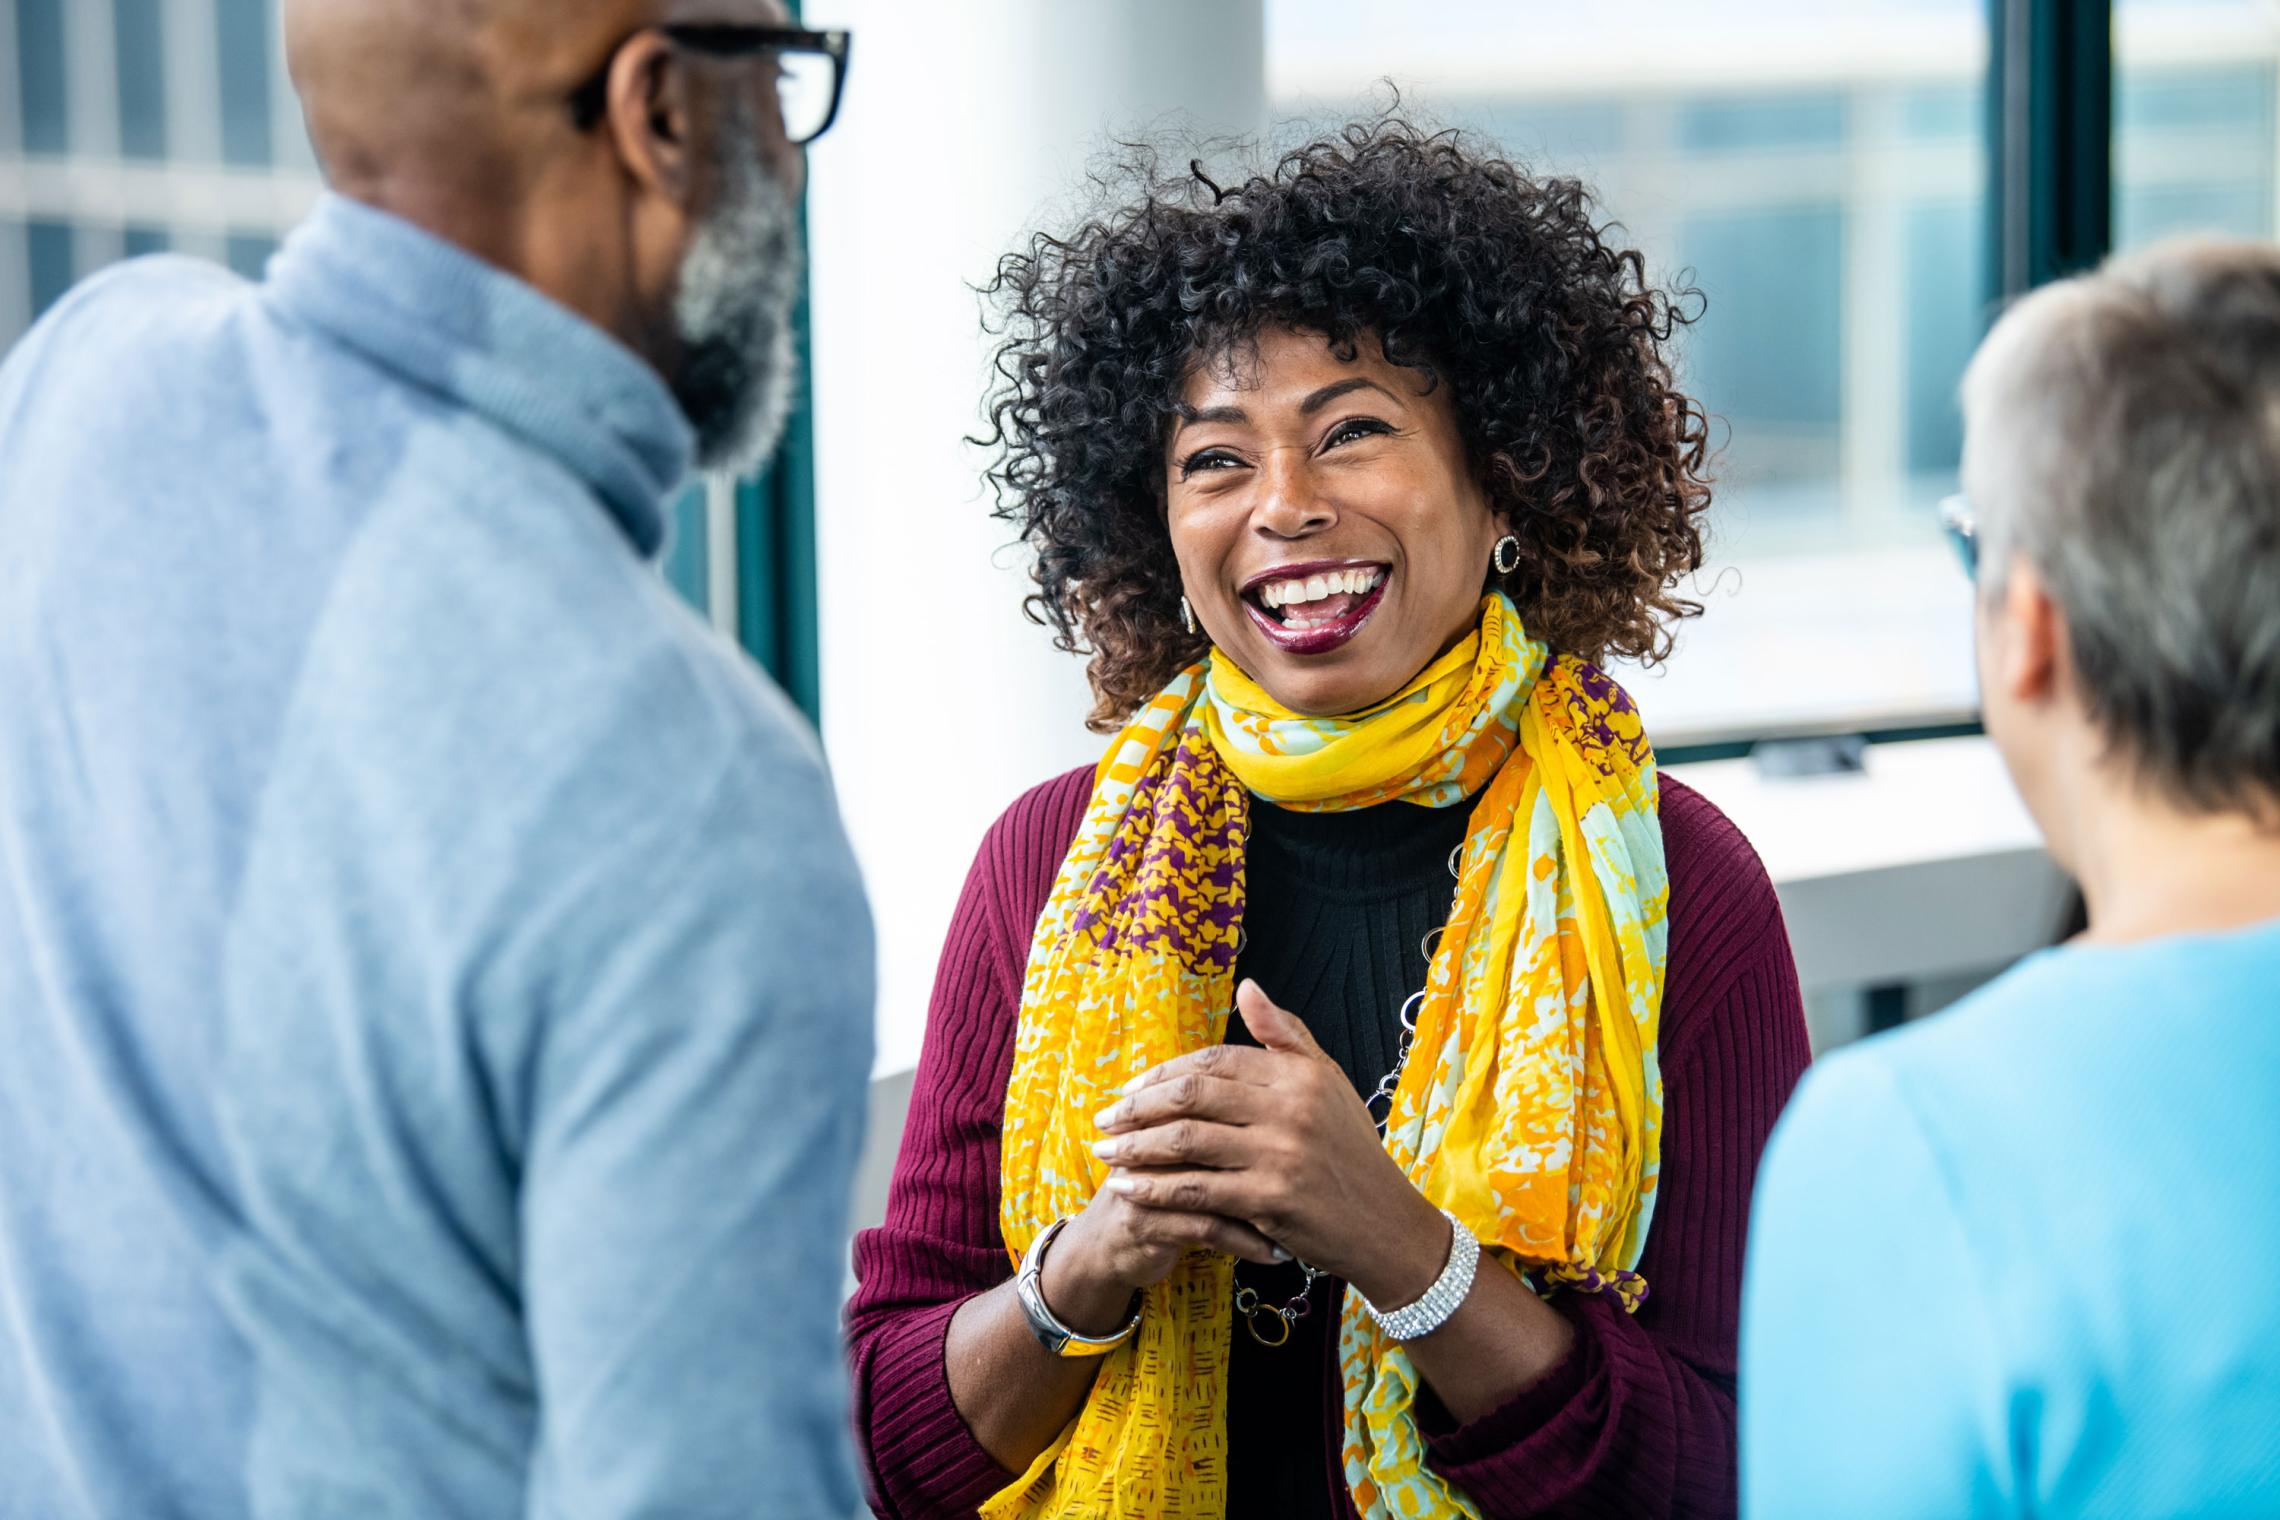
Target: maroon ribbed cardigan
[[1639, 1420]]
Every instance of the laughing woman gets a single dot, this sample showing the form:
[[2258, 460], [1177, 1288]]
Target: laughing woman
[[1344, 1097]]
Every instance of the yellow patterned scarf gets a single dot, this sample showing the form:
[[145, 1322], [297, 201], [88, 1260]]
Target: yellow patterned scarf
[[1530, 1105]]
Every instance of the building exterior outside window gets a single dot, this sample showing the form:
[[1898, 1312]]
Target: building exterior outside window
[[130, 127], [134, 127]]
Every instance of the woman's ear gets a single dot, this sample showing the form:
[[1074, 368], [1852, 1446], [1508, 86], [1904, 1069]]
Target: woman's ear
[[2027, 637]]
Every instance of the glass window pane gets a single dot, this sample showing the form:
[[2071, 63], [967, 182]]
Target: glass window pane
[[51, 252], [141, 45], [2195, 138], [1815, 119], [685, 563], [1947, 312], [40, 75], [143, 241], [249, 253], [242, 30], [15, 282], [1819, 175], [1768, 356]]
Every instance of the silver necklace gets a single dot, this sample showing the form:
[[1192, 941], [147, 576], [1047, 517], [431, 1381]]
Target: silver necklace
[[1285, 1316]]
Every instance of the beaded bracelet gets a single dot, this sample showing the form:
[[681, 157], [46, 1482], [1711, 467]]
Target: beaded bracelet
[[1432, 1309]]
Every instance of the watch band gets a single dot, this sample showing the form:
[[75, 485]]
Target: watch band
[[1028, 1286], [1414, 1321]]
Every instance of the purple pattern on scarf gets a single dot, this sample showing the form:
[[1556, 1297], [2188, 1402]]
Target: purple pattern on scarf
[[1606, 721], [1146, 893]]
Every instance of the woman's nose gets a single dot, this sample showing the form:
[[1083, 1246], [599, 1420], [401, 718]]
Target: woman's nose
[[1290, 504]]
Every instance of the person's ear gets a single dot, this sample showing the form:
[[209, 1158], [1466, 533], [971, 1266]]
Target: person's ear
[[2030, 637], [651, 118]]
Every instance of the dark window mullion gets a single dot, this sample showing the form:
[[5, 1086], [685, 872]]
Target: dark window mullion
[[2050, 112]]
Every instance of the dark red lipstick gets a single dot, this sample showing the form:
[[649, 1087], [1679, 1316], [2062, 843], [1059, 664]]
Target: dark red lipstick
[[1318, 638]]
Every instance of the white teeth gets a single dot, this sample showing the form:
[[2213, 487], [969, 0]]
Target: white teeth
[[1295, 592]]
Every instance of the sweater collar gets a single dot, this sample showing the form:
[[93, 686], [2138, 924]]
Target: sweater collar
[[1368, 855], [453, 324]]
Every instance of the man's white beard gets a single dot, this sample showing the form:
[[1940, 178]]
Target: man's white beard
[[739, 282]]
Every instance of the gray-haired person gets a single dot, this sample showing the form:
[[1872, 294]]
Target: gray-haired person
[[435, 988], [2012, 1261]]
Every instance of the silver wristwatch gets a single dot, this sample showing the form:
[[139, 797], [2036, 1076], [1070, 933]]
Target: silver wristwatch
[[1431, 1311], [1050, 1332]]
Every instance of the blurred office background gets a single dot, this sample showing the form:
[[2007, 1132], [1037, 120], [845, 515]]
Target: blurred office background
[[1852, 187]]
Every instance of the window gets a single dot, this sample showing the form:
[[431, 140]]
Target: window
[[139, 126], [1820, 176], [2196, 144], [139, 36], [40, 75], [52, 259], [242, 28], [249, 253]]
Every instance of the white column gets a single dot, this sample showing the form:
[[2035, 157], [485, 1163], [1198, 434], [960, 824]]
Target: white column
[[91, 70], [964, 126], [11, 114], [288, 131], [193, 83], [15, 283], [1873, 407], [91, 78], [15, 277]]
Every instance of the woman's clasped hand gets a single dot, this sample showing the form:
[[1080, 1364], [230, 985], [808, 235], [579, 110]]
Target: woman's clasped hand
[[1258, 1150]]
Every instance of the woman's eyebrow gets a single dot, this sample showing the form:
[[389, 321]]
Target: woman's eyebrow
[[1332, 392], [1315, 402], [1189, 415]]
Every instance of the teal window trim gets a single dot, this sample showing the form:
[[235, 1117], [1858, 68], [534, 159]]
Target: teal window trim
[[2050, 114], [777, 613], [775, 617], [684, 563]]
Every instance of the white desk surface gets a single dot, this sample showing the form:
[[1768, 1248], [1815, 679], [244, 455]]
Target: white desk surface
[[1923, 865], [1930, 800]]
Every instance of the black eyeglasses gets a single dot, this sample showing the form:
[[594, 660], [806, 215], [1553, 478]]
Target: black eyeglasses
[[1962, 529], [811, 72]]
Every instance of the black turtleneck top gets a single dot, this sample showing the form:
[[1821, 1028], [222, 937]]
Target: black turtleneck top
[[1336, 913]]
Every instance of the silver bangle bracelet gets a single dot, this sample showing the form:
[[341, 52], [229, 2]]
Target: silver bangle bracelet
[[1029, 1290], [1432, 1309]]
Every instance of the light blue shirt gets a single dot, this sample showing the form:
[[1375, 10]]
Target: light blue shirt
[[434, 986], [2019, 1260]]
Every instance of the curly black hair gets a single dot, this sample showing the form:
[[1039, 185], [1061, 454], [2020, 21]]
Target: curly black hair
[[1461, 265]]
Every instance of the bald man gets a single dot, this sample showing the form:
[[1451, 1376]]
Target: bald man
[[435, 988]]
